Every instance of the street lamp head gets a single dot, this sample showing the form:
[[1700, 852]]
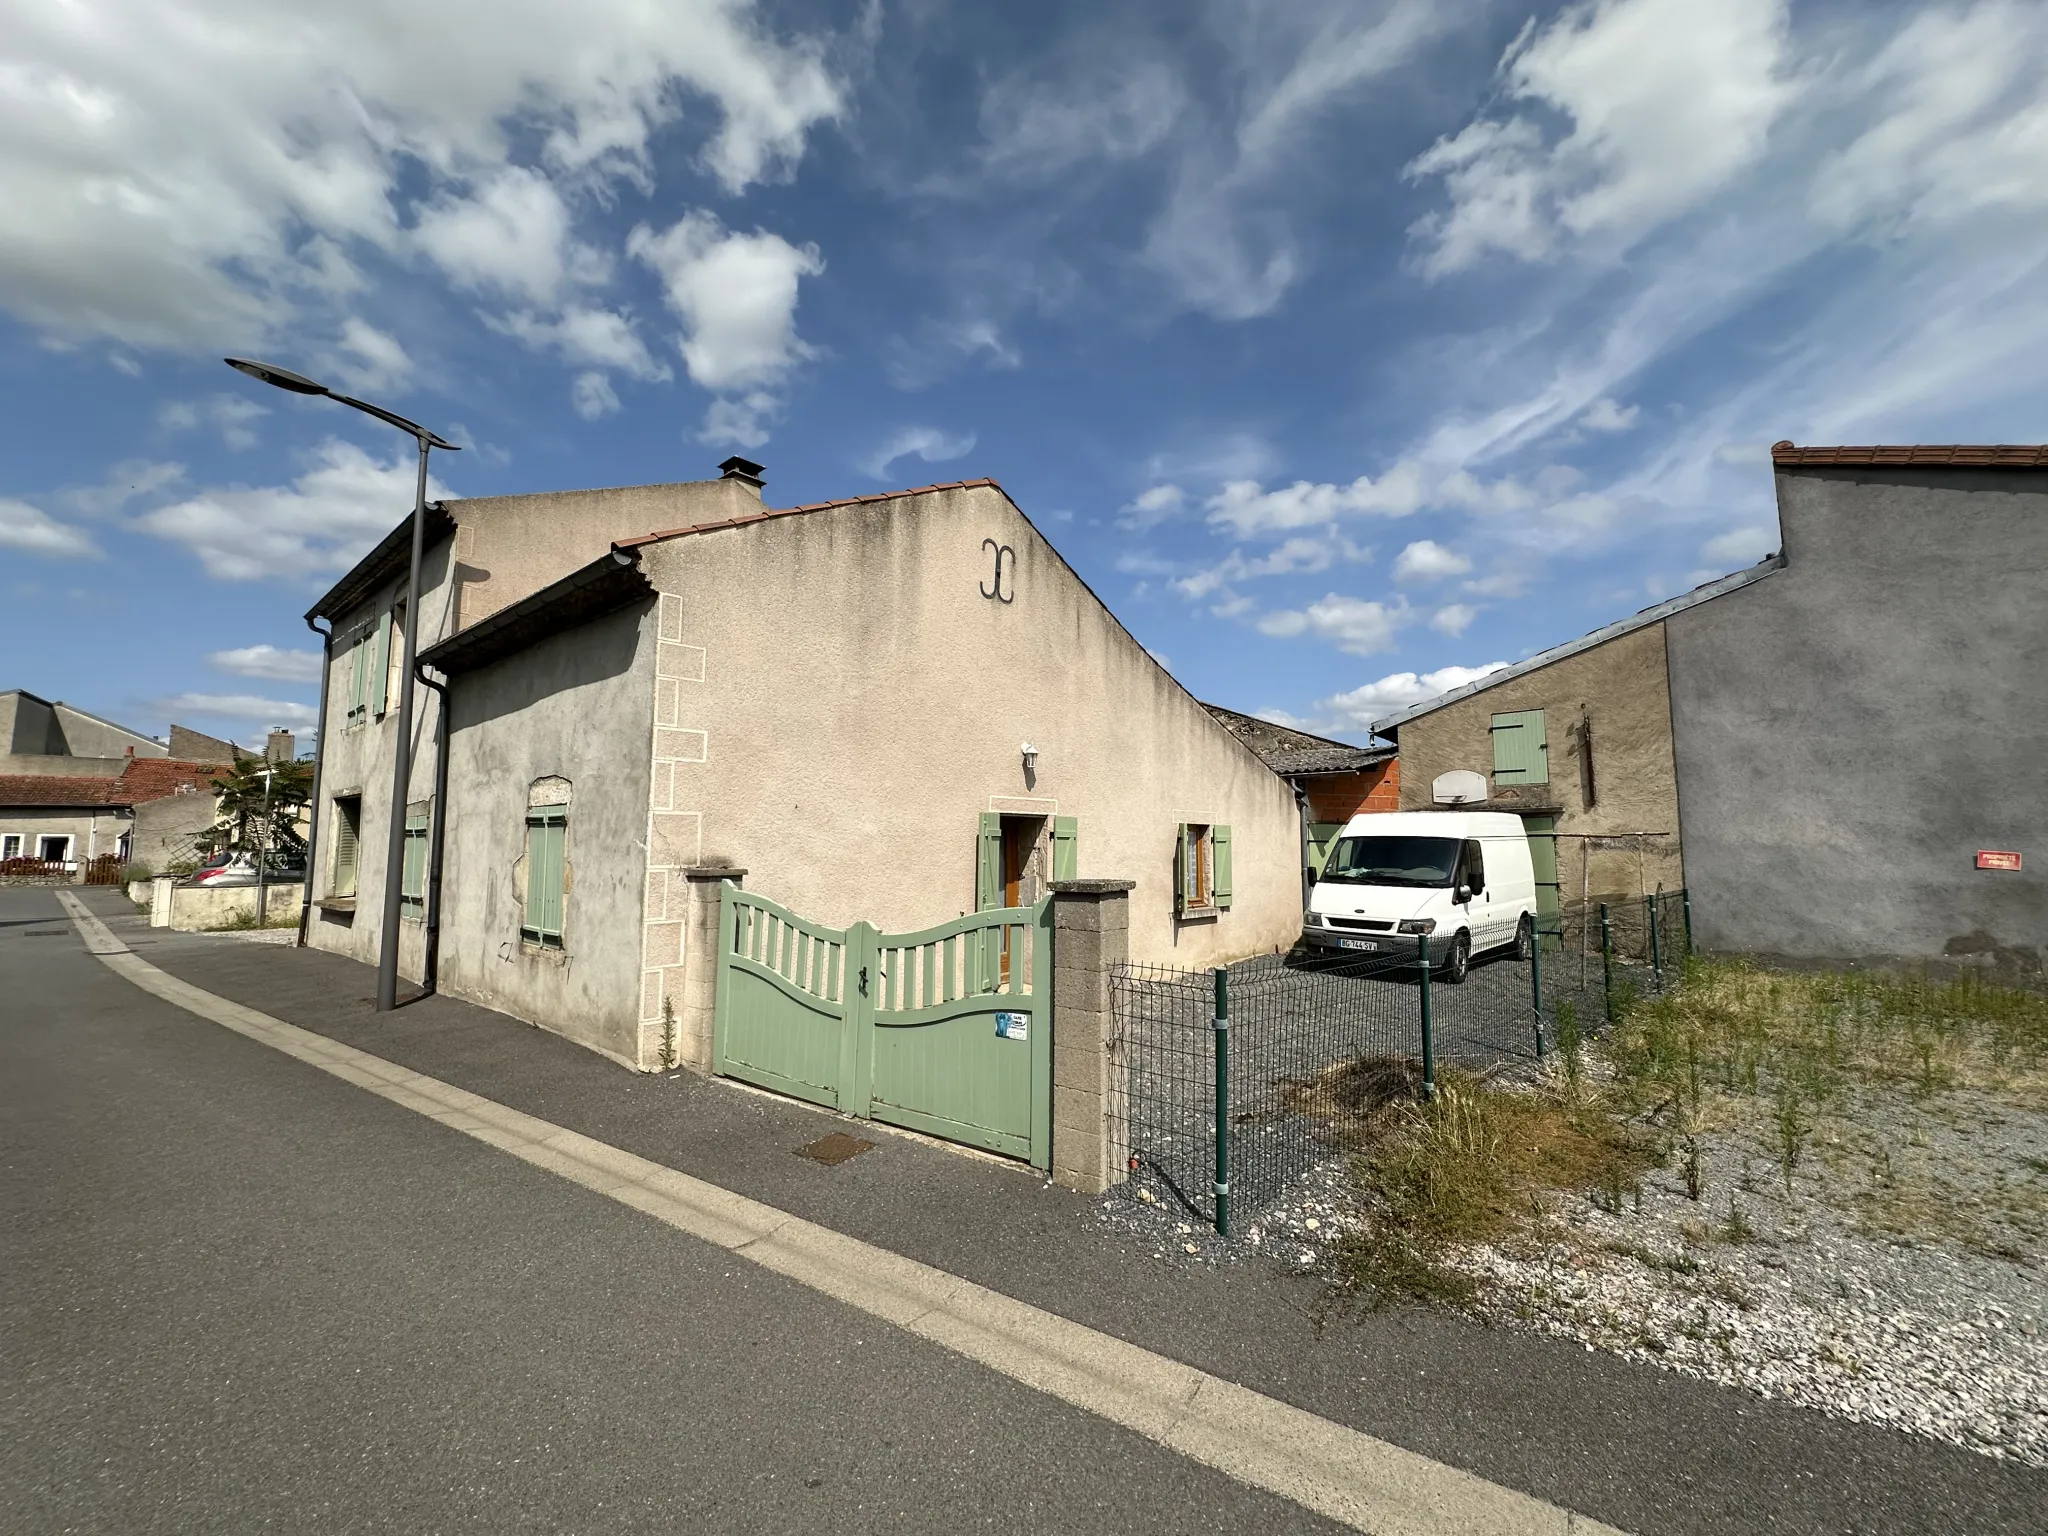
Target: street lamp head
[[283, 378]]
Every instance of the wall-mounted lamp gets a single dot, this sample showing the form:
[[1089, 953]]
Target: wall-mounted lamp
[[1030, 757]]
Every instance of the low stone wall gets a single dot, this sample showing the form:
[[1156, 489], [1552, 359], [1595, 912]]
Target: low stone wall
[[198, 909]]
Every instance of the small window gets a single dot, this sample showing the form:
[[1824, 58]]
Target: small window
[[53, 850], [348, 833], [546, 870], [391, 658], [1474, 871], [1202, 869], [412, 890], [10, 846], [359, 673]]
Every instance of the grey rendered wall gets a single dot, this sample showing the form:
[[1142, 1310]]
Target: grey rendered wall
[[1851, 730], [165, 827], [576, 706], [839, 703]]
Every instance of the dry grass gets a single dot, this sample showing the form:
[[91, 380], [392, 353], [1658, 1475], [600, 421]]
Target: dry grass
[[1474, 1163]]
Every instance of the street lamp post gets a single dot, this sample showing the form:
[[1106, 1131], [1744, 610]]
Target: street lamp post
[[401, 768], [263, 851]]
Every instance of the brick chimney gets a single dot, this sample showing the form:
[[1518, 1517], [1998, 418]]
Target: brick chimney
[[280, 748]]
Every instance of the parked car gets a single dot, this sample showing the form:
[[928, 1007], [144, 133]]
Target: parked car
[[226, 870], [1462, 878]]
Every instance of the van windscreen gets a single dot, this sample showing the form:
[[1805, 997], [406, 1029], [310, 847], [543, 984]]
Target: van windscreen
[[1425, 861]]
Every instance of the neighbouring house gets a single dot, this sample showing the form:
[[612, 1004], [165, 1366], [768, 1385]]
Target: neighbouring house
[[148, 814], [41, 736], [894, 709], [1333, 781], [1836, 752]]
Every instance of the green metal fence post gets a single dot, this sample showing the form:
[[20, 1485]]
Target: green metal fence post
[[1428, 1032], [1685, 907], [1536, 986], [1222, 1102], [1606, 963], [1656, 943]]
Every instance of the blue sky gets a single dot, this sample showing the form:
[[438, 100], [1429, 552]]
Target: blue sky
[[1343, 347]]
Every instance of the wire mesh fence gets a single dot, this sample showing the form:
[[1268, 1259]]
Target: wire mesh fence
[[1298, 1021]]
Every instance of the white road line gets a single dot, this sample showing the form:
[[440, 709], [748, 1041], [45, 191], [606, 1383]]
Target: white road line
[[1350, 1477]]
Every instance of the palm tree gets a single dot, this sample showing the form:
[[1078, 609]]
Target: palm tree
[[260, 805]]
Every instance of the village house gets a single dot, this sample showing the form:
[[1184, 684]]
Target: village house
[[1836, 752], [892, 709], [148, 814], [1333, 781]]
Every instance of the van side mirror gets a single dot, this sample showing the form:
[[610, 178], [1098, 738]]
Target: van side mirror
[[1463, 895], [1311, 874]]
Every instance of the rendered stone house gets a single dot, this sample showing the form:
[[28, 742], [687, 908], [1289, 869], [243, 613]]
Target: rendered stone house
[[139, 814], [41, 736], [894, 709], [1837, 752]]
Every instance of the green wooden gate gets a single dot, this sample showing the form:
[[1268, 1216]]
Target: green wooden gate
[[946, 1031]]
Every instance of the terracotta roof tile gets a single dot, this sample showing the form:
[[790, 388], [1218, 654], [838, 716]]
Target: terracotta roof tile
[[144, 779], [817, 506], [1972, 455]]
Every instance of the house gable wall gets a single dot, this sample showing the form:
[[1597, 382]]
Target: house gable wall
[[840, 703], [1627, 842], [1852, 731]]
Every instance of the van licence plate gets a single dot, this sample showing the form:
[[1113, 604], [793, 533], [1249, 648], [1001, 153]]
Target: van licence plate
[[1372, 944]]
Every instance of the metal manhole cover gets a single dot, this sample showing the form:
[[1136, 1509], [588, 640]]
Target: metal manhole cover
[[834, 1149]]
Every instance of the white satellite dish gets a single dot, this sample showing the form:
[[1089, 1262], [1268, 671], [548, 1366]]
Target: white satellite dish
[[1461, 787]]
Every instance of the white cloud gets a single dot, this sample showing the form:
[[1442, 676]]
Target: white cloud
[[1037, 130], [1246, 508], [588, 337], [319, 525], [1352, 624], [1152, 505], [510, 236], [29, 528], [1221, 239], [1397, 690], [1603, 415], [740, 420], [1453, 619], [1427, 560], [189, 172], [1668, 101], [368, 360], [236, 706], [1740, 546], [593, 396], [928, 443], [269, 661], [736, 295], [1290, 557], [231, 414]]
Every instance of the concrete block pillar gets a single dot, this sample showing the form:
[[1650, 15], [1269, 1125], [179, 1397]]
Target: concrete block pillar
[[1091, 927], [696, 1007]]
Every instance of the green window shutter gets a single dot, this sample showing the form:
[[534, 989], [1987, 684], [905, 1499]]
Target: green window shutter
[[412, 890], [1220, 837], [1542, 831], [380, 679], [988, 867], [358, 676], [345, 845], [1063, 851], [1521, 755], [546, 829]]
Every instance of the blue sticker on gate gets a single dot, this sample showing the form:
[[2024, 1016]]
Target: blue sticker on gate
[[1013, 1026]]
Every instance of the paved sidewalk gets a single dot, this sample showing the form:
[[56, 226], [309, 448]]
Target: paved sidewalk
[[1626, 1444]]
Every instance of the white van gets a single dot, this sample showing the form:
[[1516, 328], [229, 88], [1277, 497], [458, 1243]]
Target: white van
[[1462, 877]]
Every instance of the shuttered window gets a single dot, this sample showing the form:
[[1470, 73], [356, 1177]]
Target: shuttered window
[[412, 890], [1521, 755], [358, 674], [1201, 868], [379, 679], [546, 832], [348, 830]]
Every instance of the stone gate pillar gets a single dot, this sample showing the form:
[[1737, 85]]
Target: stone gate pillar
[[1090, 937]]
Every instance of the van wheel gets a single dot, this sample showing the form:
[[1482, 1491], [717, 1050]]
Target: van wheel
[[1459, 960], [1525, 938]]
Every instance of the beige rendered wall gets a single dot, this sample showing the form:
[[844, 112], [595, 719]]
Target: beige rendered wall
[[508, 547], [838, 702], [1627, 842], [92, 833]]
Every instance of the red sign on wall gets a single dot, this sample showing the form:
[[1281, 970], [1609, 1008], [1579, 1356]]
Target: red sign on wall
[[1992, 858]]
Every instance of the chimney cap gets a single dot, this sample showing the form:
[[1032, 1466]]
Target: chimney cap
[[737, 468]]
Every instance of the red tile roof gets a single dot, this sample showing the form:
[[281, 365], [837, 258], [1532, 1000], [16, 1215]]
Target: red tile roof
[[817, 506], [144, 779], [1972, 455]]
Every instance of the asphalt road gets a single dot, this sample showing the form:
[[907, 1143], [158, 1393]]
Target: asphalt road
[[244, 1296], [241, 1295]]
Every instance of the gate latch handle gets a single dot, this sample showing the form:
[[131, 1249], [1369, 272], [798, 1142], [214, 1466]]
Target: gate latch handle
[[863, 981]]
